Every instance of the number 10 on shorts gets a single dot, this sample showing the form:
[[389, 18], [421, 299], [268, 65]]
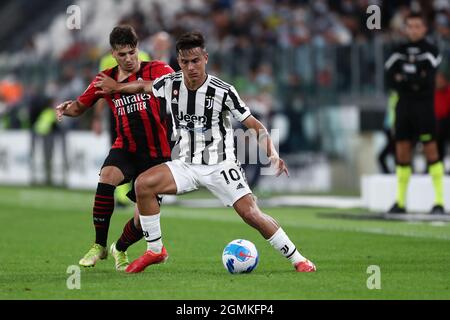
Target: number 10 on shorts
[[232, 173]]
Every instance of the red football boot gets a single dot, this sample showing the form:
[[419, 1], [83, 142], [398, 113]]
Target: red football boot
[[148, 258], [305, 266]]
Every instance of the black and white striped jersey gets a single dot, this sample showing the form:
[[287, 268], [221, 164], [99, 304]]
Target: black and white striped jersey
[[201, 118]]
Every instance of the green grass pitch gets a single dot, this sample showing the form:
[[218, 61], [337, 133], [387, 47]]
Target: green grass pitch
[[44, 231]]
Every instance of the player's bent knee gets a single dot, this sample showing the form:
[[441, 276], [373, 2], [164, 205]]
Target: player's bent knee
[[111, 176], [144, 185], [431, 151]]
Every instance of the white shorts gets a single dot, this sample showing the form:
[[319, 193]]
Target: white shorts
[[225, 180]]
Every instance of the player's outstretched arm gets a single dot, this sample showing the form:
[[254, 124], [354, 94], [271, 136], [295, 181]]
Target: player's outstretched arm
[[108, 85], [69, 108], [266, 142]]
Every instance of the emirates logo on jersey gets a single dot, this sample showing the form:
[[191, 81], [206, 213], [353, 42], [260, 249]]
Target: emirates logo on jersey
[[127, 104]]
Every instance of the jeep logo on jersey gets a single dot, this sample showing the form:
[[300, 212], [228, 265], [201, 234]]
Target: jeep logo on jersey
[[190, 118]]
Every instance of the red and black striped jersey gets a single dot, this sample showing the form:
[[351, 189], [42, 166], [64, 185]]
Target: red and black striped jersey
[[141, 122]]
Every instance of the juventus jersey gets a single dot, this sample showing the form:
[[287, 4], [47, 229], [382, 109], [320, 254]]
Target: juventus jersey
[[201, 118]]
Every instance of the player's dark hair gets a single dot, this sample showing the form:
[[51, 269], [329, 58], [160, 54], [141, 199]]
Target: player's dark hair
[[190, 40], [123, 35], [416, 15]]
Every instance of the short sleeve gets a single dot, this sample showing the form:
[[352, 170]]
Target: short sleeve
[[396, 56], [238, 108], [160, 69], [158, 87], [435, 57], [89, 97]]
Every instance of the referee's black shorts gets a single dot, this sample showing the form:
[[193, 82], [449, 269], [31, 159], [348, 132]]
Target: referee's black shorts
[[415, 120], [131, 164]]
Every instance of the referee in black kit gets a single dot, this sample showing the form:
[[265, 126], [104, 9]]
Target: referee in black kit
[[410, 70]]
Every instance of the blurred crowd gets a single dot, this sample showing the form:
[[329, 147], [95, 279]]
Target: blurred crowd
[[276, 52]]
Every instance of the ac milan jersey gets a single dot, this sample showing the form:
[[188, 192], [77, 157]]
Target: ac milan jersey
[[140, 120]]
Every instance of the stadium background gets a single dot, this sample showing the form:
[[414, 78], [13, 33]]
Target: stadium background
[[311, 69]]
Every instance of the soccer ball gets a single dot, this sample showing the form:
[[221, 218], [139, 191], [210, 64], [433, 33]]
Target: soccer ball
[[240, 256]]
